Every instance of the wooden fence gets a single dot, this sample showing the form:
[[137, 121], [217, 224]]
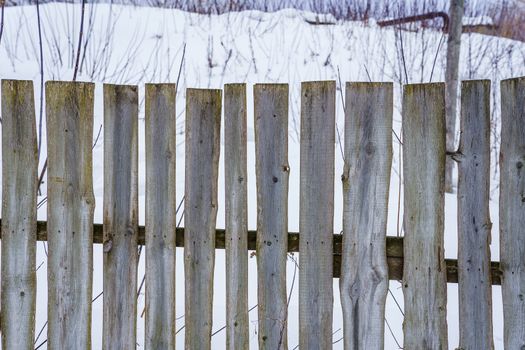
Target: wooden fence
[[363, 257]]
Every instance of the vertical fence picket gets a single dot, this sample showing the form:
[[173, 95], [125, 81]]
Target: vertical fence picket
[[203, 122], [316, 218], [424, 272], [69, 112], [272, 172], [512, 211], [160, 216], [235, 170], [19, 189], [475, 291], [120, 216], [366, 183]]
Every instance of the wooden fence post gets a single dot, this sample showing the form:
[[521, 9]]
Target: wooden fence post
[[272, 172], [203, 123], [512, 210], [316, 218], [475, 290], [69, 112], [366, 183], [120, 216], [161, 220], [235, 169], [424, 273], [19, 188]]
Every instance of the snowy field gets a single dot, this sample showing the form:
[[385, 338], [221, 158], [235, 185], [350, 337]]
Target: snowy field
[[131, 45]]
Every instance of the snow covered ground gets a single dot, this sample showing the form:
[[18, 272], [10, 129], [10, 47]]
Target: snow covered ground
[[131, 45]]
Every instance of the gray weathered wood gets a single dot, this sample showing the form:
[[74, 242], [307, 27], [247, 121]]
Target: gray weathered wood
[[203, 123], [366, 182], [316, 214], [475, 291], [161, 206], [120, 216], [424, 273], [19, 187], [235, 175], [512, 211], [69, 112], [272, 172]]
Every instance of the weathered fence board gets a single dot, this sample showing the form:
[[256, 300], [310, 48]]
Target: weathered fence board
[[316, 214], [19, 188], [236, 193], [475, 291], [366, 181], [272, 172], [424, 274], [203, 123], [161, 219], [69, 112], [120, 216], [512, 211]]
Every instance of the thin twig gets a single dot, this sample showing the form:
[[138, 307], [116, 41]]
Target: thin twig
[[395, 300], [2, 19], [80, 33], [41, 177], [180, 68], [392, 333], [224, 327], [98, 135], [403, 55], [41, 80], [344, 110], [436, 56], [40, 333], [41, 344], [289, 299]]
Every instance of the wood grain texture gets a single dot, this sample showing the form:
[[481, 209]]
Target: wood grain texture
[[366, 183], [512, 211], [120, 216], [19, 189], [203, 123], [475, 291], [424, 274], [161, 207], [69, 112], [272, 172], [236, 192], [316, 214]]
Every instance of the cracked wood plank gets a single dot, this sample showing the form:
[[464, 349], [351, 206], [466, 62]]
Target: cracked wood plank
[[366, 183], [120, 216]]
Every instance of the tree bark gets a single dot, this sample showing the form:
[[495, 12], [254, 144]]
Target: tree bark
[[451, 82]]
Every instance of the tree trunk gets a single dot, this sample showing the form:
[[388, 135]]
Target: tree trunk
[[451, 81]]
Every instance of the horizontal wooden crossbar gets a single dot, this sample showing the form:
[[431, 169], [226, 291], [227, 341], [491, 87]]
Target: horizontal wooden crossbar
[[394, 250]]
